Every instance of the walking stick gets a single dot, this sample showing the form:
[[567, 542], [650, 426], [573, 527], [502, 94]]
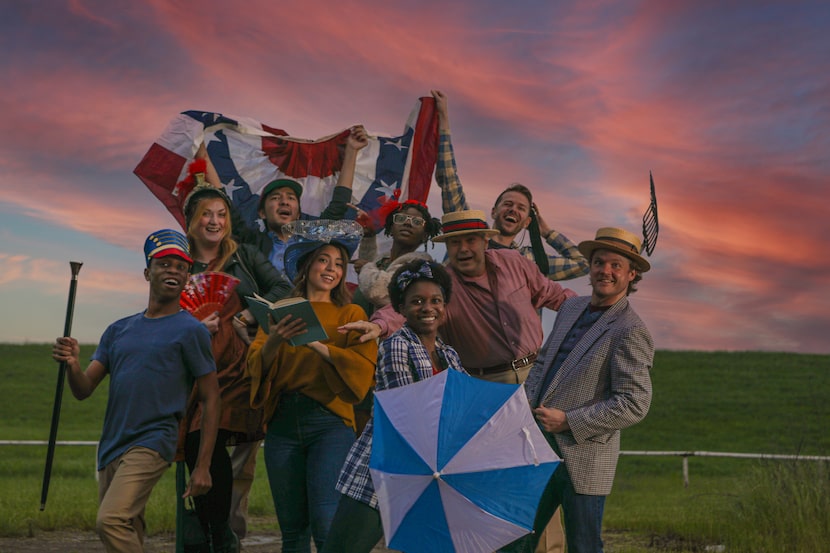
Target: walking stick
[[75, 267]]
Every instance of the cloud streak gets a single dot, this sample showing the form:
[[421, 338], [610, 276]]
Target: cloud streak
[[724, 103]]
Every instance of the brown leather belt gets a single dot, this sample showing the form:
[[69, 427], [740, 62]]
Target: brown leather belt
[[512, 366]]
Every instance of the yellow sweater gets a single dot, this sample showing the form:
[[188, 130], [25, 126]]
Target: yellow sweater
[[337, 385]]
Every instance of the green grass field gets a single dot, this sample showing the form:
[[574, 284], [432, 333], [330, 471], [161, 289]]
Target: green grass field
[[743, 402]]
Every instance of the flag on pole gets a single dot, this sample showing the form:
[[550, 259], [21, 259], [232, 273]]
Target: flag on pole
[[248, 155]]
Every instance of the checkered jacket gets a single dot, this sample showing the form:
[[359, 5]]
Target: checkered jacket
[[603, 386]]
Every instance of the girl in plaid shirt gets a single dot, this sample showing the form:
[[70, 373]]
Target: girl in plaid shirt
[[419, 291]]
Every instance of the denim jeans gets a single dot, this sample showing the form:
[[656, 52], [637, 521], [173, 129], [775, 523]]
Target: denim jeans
[[583, 516], [305, 448]]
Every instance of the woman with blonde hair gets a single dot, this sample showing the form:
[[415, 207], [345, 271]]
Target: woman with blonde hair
[[207, 216]]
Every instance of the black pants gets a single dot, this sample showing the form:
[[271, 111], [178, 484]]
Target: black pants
[[213, 508], [356, 528]]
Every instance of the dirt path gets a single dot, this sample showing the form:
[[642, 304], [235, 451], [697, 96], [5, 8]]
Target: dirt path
[[67, 541], [260, 542], [88, 542]]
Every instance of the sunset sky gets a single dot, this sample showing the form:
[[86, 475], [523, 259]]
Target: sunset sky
[[727, 103]]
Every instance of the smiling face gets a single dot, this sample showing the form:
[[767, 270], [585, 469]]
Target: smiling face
[[210, 223], [280, 207], [325, 269], [466, 253], [610, 275], [167, 277], [407, 233], [511, 214], [423, 308]]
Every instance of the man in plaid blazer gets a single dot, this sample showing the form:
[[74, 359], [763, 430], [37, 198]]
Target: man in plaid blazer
[[591, 380]]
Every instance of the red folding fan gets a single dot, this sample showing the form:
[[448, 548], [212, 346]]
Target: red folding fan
[[207, 292]]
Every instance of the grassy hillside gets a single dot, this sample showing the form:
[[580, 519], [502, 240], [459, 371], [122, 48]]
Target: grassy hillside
[[732, 402]]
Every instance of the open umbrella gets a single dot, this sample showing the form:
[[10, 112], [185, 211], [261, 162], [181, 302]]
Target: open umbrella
[[458, 464]]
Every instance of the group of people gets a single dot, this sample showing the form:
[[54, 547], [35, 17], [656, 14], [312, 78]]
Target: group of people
[[205, 386]]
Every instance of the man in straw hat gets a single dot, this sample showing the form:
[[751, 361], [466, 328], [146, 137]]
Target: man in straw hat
[[513, 211], [492, 321], [591, 380], [152, 359]]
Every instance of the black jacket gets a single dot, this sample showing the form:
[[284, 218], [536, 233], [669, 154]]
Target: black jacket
[[244, 234], [256, 274]]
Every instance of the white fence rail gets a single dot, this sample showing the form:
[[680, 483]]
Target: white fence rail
[[686, 454], [683, 454]]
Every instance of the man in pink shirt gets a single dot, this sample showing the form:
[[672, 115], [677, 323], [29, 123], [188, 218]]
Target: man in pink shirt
[[492, 321]]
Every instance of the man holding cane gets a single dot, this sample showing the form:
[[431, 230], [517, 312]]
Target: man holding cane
[[152, 359]]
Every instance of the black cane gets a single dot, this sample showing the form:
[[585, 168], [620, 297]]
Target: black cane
[[75, 267]]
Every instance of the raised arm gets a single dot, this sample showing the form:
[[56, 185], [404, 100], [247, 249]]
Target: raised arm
[[211, 175], [342, 193], [446, 173], [571, 264]]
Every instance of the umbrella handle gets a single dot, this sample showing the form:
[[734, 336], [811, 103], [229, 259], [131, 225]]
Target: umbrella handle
[[526, 432]]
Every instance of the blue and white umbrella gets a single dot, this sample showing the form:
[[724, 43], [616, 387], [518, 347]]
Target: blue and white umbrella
[[458, 464]]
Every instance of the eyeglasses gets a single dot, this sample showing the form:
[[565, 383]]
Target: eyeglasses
[[402, 218]]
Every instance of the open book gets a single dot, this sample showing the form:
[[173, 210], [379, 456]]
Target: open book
[[296, 307]]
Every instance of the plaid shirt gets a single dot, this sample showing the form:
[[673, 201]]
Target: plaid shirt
[[402, 360], [568, 264]]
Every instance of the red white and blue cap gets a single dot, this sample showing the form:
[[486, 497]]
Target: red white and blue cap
[[468, 221], [166, 242]]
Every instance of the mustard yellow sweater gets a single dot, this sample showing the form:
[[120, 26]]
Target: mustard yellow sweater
[[338, 384]]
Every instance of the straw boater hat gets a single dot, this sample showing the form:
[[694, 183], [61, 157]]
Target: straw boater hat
[[464, 222], [616, 240]]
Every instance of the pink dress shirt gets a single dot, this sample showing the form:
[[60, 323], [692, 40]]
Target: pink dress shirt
[[493, 319]]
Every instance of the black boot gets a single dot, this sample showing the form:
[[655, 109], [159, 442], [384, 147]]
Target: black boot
[[224, 539]]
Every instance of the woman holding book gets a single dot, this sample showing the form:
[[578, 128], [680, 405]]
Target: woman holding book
[[207, 217], [308, 391], [419, 291]]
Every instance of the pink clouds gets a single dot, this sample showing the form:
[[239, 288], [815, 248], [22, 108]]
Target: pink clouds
[[727, 105]]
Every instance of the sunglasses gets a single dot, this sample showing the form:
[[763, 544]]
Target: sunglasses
[[402, 218]]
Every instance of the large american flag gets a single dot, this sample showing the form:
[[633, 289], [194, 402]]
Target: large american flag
[[248, 155]]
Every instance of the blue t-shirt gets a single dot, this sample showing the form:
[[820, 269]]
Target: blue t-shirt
[[152, 364]]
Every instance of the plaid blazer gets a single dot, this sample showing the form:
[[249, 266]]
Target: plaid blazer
[[603, 386]]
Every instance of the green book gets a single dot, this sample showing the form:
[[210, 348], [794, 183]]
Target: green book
[[297, 308]]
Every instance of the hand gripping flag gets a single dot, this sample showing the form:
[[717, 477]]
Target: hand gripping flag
[[248, 155]]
